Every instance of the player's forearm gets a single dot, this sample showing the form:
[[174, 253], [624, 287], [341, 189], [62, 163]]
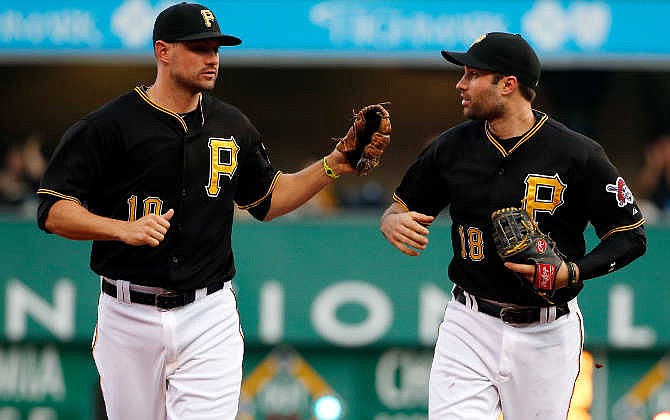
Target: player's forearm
[[613, 253], [73, 221], [294, 190]]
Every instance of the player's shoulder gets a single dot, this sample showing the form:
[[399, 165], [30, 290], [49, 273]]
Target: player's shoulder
[[219, 108], [220, 114], [104, 118], [568, 137], [460, 134], [113, 110]]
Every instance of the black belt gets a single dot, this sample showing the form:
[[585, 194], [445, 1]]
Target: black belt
[[509, 314], [164, 300]]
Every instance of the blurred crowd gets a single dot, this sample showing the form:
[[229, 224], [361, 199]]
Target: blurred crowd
[[24, 160], [23, 163], [653, 181], [366, 198]]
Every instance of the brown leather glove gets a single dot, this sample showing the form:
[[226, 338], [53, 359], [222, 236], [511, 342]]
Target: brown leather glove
[[367, 138]]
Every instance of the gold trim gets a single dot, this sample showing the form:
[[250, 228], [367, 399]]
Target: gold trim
[[202, 111], [623, 228], [260, 200], [522, 140], [148, 100], [95, 338], [59, 195], [399, 201]]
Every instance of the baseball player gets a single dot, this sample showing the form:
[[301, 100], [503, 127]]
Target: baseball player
[[502, 347], [151, 178]]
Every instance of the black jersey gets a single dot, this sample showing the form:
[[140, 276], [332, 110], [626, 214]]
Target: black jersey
[[133, 157], [563, 179]]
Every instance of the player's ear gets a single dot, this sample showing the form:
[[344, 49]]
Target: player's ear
[[509, 84], [161, 50]]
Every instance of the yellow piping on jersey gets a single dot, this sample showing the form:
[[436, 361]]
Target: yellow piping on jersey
[[59, 195], [522, 140], [622, 228], [260, 200], [148, 100], [399, 201]]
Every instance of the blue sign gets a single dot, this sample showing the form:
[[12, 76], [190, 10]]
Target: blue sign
[[563, 31]]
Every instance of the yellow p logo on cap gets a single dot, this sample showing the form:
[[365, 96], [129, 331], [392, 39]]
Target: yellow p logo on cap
[[208, 17]]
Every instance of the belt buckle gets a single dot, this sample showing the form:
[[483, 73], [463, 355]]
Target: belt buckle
[[504, 311], [166, 300]]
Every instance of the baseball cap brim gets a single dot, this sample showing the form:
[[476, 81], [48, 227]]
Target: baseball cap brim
[[227, 40], [465, 59]]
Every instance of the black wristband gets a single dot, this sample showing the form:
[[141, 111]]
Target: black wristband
[[572, 274]]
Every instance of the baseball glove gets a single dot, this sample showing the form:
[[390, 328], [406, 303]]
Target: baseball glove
[[518, 239], [368, 136]]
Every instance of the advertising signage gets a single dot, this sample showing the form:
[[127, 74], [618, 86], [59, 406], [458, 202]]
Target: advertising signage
[[563, 32]]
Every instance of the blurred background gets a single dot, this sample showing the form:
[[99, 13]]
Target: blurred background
[[327, 340]]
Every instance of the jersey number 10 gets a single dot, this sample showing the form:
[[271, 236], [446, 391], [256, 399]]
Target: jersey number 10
[[152, 205]]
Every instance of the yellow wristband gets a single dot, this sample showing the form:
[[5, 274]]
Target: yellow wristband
[[328, 170]]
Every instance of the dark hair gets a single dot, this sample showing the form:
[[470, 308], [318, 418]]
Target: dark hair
[[527, 92]]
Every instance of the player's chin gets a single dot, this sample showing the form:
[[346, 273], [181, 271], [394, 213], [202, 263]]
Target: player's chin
[[206, 86], [473, 114], [207, 82]]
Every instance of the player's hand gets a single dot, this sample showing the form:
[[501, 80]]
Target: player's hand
[[338, 161], [148, 230], [528, 273], [407, 231]]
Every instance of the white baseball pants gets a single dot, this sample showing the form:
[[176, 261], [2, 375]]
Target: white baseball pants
[[183, 363], [482, 366]]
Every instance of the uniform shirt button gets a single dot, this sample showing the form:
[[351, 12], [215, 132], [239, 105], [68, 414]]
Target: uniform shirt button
[[501, 171], [175, 260], [183, 192]]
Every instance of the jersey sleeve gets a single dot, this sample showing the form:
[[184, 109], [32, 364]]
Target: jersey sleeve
[[74, 168], [611, 203], [422, 189], [258, 179]]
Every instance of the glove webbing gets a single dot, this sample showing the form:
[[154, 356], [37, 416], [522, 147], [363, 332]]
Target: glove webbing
[[520, 238]]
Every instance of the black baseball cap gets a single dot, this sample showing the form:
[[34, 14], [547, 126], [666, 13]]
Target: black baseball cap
[[501, 52], [190, 22]]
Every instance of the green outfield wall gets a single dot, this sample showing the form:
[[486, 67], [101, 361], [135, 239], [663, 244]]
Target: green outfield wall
[[354, 316]]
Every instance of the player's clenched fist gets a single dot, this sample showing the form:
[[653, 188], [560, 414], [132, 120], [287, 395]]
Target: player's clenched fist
[[147, 230], [406, 230]]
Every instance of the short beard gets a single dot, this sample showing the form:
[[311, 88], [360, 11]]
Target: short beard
[[484, 113], [194, 87]]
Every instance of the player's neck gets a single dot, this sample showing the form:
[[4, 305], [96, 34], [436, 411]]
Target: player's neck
[[173, 98], [512, 124]]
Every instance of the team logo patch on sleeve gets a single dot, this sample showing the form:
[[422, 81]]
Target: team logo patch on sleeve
[[621, 191]]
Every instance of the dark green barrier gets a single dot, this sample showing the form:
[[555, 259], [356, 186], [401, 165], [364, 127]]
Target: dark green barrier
[[360, 314], [47, 382], [335, 283]]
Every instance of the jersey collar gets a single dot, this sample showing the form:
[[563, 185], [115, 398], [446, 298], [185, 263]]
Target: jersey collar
[[142, 93], [539, 122]]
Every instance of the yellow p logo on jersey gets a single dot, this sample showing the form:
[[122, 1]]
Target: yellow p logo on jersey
[[543, 193], [222, 162], [208, 17]]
